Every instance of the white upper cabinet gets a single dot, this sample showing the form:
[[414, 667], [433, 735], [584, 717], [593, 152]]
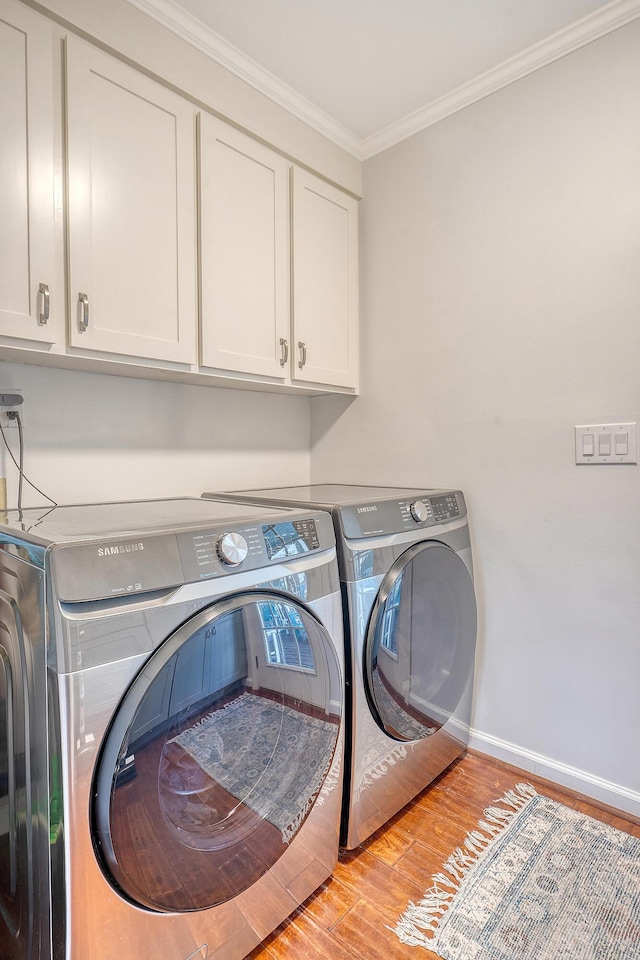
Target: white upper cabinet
[[256, 210], [26, 174], [131, 211], [190, 254], [325, 283], [244, 253]]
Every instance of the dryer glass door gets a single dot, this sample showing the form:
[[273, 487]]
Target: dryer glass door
[[218, 753], [420, 645]]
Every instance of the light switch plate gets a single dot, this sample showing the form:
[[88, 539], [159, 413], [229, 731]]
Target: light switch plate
[[618, 438]]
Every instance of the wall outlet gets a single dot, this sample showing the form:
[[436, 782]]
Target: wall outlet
[[5, 397]]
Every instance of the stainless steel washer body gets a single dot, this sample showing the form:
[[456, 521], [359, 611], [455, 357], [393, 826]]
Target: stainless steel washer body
[[171, 727], [410, 625]]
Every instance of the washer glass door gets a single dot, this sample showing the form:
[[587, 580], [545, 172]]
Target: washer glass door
[[16, 829], [217, 753], [420, 645]]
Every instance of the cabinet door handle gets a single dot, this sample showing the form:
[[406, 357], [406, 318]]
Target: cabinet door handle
[[83, 299], [43, 290], [284, 344], [302, 347]]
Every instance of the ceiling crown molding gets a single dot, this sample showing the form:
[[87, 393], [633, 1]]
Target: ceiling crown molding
[[616, 14], [579, 34], [199, 35]]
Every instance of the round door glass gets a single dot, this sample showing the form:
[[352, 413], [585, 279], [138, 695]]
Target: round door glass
[[420, 646], [218, 752]]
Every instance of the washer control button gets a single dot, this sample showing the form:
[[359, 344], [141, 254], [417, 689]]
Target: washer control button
[[232, 549], [419, 511]]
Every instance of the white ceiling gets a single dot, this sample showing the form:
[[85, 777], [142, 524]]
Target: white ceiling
[[368, 73]]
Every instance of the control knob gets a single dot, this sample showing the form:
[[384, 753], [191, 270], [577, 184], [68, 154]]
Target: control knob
[[232, 549], [419, 511]]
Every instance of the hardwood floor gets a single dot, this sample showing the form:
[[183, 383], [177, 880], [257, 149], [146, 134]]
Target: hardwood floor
[[347, 918]]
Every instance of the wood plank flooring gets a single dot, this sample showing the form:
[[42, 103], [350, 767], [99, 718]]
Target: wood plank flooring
[[347, 918]]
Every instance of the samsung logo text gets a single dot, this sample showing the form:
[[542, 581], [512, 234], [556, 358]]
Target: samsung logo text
[[119, 549], [371, 509]]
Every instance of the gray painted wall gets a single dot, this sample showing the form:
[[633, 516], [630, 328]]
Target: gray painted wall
[[500, 307], [92, 437]]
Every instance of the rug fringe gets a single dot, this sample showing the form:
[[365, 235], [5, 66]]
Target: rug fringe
[[380, 769], [419, 922], [332, 780]]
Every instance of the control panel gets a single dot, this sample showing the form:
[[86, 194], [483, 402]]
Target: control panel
[[212, 548], [91, 571], [290, 539], [432, 509], [395, 516], [246, 547], [445, 508]]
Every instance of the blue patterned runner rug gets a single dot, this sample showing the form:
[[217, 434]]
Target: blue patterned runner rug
[[536, 881]]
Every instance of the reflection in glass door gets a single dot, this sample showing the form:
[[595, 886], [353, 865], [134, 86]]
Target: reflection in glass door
[[212, 767], [420, 645], [286, 639]]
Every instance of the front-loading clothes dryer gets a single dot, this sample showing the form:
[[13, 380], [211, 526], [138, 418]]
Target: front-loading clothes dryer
[[410, 616], [171, 703]]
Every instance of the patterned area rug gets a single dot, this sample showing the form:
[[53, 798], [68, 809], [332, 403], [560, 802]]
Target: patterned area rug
[[537, 881], [272, 758], [395, 715]]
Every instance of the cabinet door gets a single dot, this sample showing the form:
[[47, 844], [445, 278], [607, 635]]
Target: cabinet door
[[26, 173], [132, 235], [155, 710], [244, 269], [325, 283], [191, 680]]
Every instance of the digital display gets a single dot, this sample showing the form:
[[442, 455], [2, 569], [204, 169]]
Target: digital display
[[290, 539]]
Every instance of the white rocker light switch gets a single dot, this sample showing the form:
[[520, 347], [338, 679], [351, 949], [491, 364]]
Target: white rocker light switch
[[606, 443]]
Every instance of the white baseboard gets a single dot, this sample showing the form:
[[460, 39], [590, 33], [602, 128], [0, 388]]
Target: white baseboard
[[613, 794]]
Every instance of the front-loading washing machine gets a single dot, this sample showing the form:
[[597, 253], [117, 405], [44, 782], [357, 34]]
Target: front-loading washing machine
[[171, 726], [410, 628]]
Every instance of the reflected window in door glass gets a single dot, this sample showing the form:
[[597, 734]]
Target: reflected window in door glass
[[294, 583], [286, 640], [420, 646], [389, 630]]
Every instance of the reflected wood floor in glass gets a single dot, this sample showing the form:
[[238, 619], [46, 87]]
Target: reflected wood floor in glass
[[179, 866], [347, 918]]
